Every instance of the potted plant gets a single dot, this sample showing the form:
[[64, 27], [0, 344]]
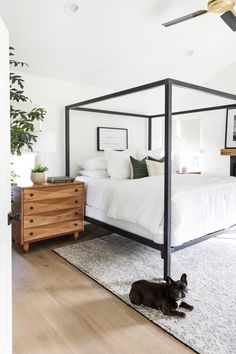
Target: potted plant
[[37, 174]]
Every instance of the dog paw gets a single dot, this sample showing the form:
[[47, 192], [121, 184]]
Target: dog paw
[[182, 314]]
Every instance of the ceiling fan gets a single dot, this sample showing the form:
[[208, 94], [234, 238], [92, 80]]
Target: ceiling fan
[[224, 7]]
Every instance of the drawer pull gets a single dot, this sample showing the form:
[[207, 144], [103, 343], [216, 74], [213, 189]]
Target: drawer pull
[[31, 208], [31, 194], [31, 233], [76, 202], [75, 224], [31, 220], [76, 190], [76, 213]]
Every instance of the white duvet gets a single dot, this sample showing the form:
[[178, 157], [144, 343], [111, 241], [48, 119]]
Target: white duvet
[[200, 204]]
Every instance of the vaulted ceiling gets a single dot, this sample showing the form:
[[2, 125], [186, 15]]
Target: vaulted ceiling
[[118, 44]]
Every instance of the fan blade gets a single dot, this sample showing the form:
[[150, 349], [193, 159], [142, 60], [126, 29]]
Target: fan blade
[[230, 20], [184, 18]]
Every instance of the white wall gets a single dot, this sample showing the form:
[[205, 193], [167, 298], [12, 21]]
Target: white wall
[[53, 95], [84, 134], [213, 127], [213, 139], [205, 132], [209, 138], [213, 123], [190, 131]]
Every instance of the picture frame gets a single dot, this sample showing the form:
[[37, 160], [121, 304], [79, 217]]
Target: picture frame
[[230, 129], [112, 138]]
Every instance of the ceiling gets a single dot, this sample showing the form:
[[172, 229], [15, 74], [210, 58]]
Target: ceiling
[[118, 44]]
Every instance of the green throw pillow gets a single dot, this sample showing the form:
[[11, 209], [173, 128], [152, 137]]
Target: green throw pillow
[[138, 168]]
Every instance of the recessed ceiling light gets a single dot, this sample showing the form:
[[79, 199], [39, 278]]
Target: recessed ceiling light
[[71, 7]]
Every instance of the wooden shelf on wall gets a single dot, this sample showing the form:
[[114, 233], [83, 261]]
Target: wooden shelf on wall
[[228, 152]]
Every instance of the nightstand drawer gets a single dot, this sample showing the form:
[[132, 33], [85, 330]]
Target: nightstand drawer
[[45, 231], [52, 192], [40, 206], [52, 217]]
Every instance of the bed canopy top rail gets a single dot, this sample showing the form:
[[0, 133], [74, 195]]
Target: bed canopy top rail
[[208, 90], [119, 93], [196, 110], [168, 85], [152, 85], [94, 110]]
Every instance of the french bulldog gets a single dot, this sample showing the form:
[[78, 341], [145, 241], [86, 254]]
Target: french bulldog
[[165, 296]]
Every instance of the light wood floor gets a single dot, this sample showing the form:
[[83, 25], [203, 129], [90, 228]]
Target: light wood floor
[[58, 310]]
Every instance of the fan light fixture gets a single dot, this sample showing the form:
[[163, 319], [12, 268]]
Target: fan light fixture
[[71, 7], [224, 7]]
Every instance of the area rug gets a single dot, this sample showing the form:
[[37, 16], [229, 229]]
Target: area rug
[[115, 262]]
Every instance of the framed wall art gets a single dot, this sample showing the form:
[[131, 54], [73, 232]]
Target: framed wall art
[[112, 138], [230, 130]]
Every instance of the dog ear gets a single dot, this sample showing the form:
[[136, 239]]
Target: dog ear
[[169, 281], [184, 278]]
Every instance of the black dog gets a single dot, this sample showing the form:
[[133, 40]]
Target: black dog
[[166, 296]]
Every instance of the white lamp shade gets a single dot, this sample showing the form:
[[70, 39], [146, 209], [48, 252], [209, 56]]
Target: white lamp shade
[[46, 142]]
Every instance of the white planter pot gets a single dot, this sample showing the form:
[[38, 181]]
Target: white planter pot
[[37, 177]]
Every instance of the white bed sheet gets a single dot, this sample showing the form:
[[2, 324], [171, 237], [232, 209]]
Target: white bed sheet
[[124, 225], [200, 205]]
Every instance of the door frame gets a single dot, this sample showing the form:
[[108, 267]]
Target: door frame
[[5, 198]]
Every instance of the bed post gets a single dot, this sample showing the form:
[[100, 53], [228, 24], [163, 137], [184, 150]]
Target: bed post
[[167, 179], [149, 133], [67, 141]]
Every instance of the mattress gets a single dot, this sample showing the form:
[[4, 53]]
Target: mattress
[[121, 224], [200, 205]]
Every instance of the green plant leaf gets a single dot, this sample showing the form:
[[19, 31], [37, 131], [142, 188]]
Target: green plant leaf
[[22, 122], [39, 168]]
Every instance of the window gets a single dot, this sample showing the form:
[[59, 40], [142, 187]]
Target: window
[[22, 165]]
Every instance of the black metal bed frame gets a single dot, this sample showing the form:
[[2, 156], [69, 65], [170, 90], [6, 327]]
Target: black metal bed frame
[[165, 248]]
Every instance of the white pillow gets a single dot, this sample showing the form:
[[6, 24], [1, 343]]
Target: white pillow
[[94, 163], [155, 168], [118, 163], [155, 153], [94, 173]]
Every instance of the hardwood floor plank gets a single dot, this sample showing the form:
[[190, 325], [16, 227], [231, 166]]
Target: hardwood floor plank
[[57, 309]]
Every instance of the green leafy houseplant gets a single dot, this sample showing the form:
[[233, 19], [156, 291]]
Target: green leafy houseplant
[[39, 169], [13, 178], [22, 122]]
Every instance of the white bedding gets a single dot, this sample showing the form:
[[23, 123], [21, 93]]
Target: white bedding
[[200, 204]]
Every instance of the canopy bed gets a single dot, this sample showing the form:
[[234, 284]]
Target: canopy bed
[[166, 246]]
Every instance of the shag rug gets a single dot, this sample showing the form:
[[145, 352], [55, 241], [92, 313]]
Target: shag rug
[[115, 262]]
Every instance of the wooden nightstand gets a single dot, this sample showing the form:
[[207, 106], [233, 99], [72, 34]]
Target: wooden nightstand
[[47, 210]]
